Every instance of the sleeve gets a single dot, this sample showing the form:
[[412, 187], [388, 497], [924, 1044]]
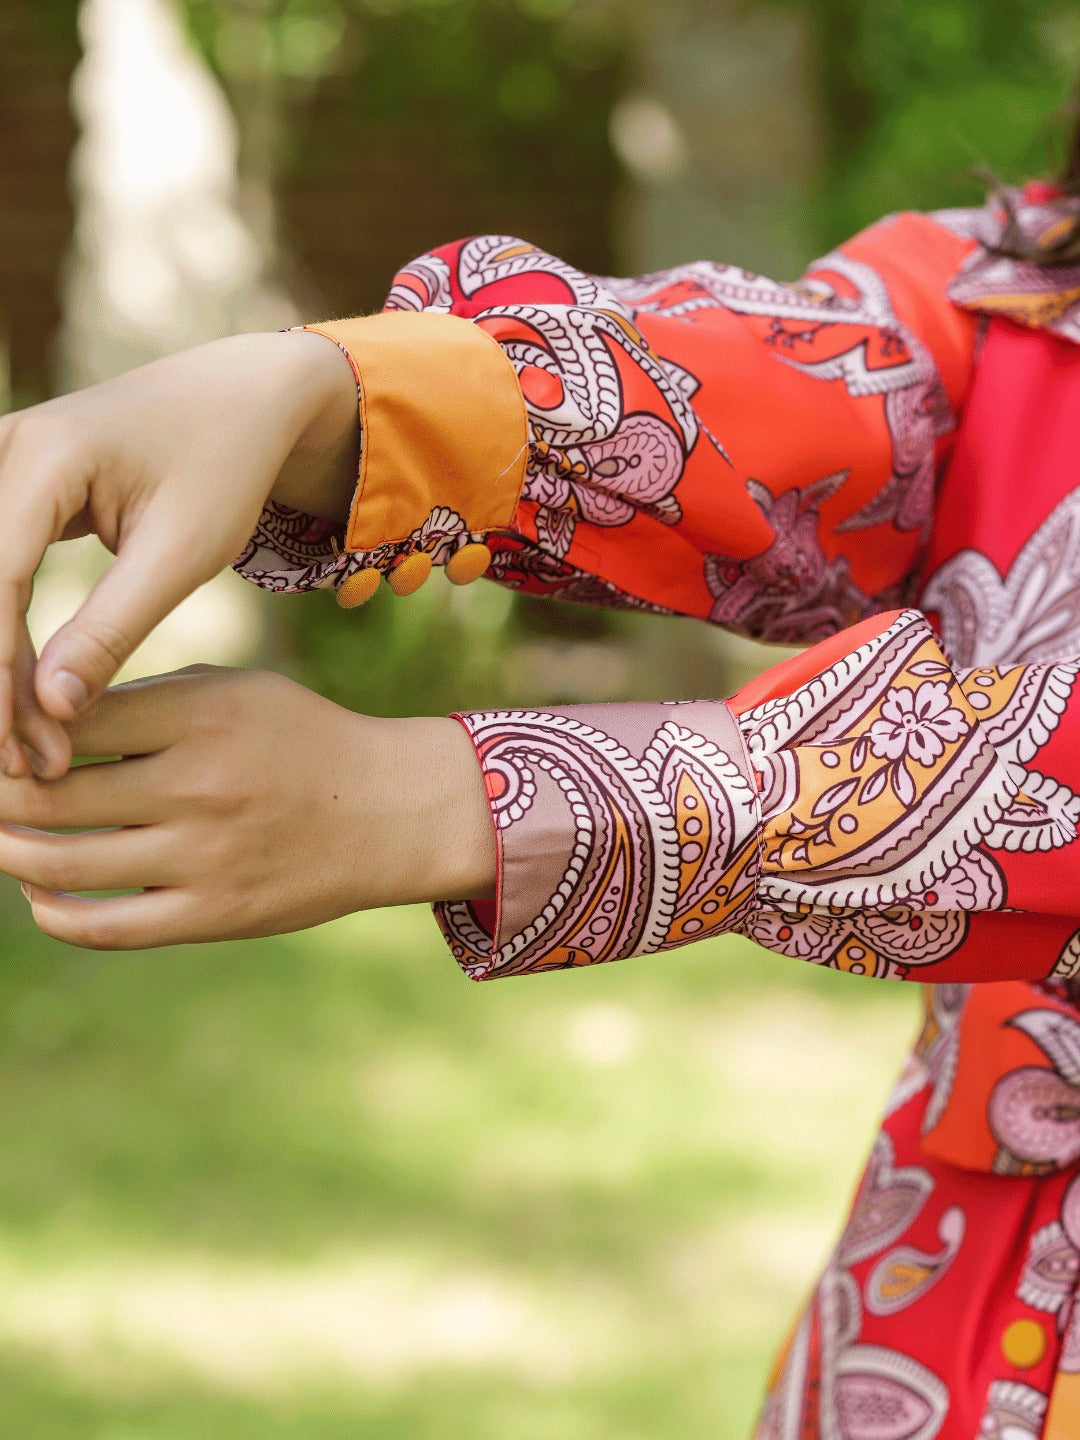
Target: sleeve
[[862, 806], [701, 441]]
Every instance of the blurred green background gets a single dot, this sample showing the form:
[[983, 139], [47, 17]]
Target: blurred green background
[[321, 1186]]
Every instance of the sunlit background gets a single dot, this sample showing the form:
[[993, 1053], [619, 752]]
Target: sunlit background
[[321, 1186]]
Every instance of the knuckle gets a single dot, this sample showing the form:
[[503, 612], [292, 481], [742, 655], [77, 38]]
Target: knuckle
[[107, 643], [44, 435], [37, 805], [100, 934], [24, 804], [56, 869], [212, 791]]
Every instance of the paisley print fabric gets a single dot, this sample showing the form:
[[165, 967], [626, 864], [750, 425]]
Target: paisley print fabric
[[863, 819], [880, 461], [942, 1311]]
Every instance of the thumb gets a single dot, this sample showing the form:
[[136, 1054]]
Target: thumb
[[141, 586]]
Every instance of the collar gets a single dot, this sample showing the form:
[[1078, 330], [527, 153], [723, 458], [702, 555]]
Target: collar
[[1040, 297]]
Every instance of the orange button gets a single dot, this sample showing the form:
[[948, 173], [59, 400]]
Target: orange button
[[410, 574], [358, 587], [1024, 1344], [468, 563]]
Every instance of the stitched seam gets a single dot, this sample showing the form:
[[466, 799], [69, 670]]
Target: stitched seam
[[477, 325], [759, 814], [361, 400], [496, 946]]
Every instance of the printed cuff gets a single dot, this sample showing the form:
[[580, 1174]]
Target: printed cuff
[[854, 807], [620, 830]]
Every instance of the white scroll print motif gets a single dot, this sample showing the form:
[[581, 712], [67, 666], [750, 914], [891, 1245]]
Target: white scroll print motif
[[1030, 615], [1013, 1412], [591, 459], [916, 408], [663, 847]]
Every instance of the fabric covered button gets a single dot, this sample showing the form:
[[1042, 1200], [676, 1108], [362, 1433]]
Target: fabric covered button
[[358, 588], [410, 574], [1024, 1344], [468, 563]]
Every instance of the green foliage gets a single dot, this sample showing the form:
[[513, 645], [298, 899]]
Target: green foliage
[[920, 94], [226, 1172], [515, 83]]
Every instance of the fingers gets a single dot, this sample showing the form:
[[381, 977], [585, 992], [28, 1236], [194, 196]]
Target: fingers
[[138, 718], [93, 860], [90, 796], [40, 492], [123, 922], [146, 581], [45, 747], [12, 623]]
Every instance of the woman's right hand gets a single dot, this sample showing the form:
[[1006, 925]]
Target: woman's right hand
[[169, 465]]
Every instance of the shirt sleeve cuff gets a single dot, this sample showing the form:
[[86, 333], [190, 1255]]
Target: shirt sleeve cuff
[[444, 447], [620, 830]]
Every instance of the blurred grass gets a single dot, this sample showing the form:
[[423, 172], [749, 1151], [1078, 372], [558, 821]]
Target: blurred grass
[[323, 1186]]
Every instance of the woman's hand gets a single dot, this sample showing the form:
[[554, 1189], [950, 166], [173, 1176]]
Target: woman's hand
[[170, 465], [245, 805]]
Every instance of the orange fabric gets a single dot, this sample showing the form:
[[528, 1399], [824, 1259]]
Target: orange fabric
[[443, 424], [991, 1047], [1063, 1421]]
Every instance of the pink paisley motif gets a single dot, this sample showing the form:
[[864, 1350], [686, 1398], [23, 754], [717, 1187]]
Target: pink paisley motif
[[641, 462], [887, 1204], [1034, 1113], [883, 1395], [906, 1274], [607, 481], [791, 591], [1035, 1117]]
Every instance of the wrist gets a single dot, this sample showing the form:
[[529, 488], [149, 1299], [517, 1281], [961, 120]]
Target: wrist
[[319, 474], [440, 840]]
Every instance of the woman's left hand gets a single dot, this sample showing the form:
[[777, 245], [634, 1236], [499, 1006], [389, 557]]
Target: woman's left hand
[[243, 805]]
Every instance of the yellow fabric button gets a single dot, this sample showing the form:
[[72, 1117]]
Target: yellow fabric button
[[1024, 1344], [410, 574], [358, 587], [468, 563]]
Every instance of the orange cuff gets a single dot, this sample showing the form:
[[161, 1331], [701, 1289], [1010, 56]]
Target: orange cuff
[[443, 423]]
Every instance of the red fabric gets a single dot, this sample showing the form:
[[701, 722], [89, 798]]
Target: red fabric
[[797, 463]]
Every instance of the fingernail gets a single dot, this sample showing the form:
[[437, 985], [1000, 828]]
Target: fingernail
[[25, 888], [71, 688], [37, 762]]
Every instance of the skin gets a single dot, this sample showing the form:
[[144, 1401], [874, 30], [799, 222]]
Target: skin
[[170, 466]]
